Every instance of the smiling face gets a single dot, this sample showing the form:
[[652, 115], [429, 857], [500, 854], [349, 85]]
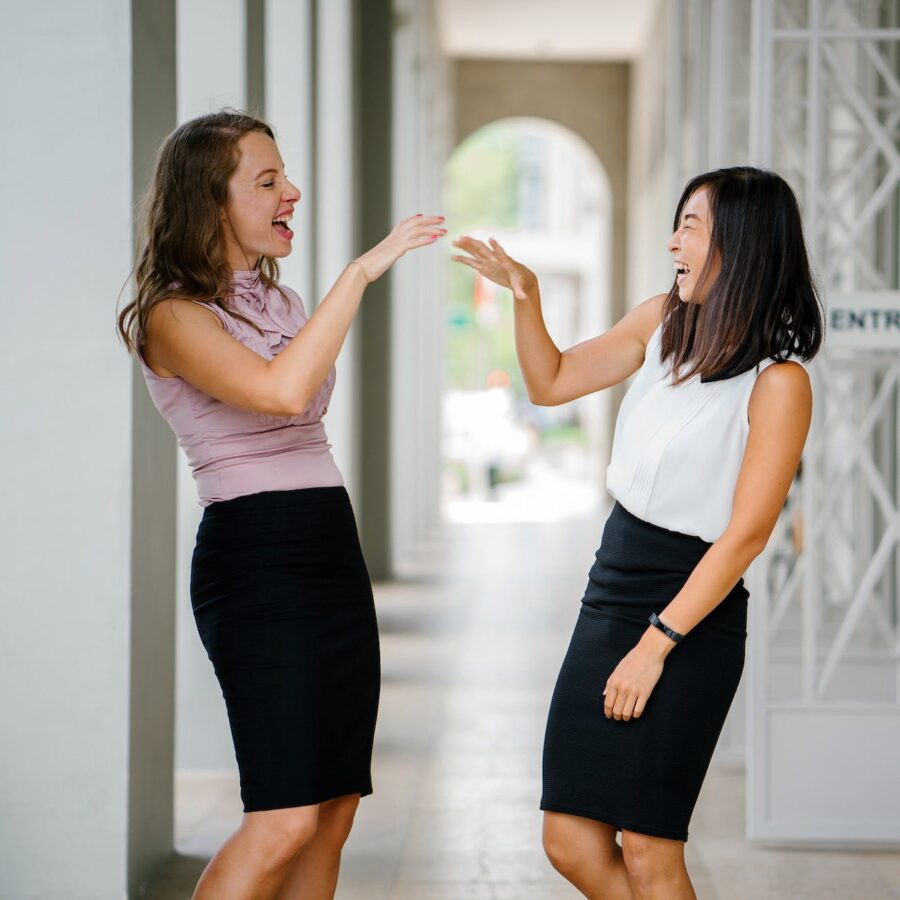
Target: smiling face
[[690, 245], [260, 204]]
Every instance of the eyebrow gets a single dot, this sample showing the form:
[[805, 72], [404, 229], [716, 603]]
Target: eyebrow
[[265, 172], [687, 216]]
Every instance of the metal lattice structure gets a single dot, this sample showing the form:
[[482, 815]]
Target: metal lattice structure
[[825, 665]]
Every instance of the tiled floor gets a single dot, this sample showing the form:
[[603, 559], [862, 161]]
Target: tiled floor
[[470, 649]]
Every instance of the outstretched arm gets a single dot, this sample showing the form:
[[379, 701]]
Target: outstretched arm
[[190, 342], [553, 377]]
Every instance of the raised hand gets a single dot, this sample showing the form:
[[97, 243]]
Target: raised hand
[[494, 264], [416, 231]]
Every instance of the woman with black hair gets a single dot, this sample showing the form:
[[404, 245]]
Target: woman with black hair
[[706, 443]]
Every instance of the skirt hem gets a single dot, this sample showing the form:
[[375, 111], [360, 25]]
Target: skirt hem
[[619, 821], [311, 798]]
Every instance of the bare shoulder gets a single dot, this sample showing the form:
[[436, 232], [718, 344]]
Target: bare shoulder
[[644, 319], [174, 311], [781, 390], [167, 322]]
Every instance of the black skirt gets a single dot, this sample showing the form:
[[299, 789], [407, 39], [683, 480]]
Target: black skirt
[[645, 774], [283, 605]]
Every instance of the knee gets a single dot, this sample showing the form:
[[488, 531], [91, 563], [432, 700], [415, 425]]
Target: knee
[[644, 856], [336, 819], [559, 851], [283, 832]]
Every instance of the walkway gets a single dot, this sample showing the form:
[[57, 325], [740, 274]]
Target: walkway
[[470, 651]]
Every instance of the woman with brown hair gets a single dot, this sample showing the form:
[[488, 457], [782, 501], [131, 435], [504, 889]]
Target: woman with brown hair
[[706, 443], [279, 588]]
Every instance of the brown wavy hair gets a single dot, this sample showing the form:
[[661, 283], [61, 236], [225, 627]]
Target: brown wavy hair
[[764, 303], [181, 249]]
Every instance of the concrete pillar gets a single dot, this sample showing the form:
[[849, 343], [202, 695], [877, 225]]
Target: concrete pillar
[[421, 124], [373, 123], [333, 191], [154, 501], [212, 46], [71, 595], [290, 95], [255, 52], [212, 73]]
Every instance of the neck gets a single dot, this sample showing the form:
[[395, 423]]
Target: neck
[[241, 263], [238, 259]]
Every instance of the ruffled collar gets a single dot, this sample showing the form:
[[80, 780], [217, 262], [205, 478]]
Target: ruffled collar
[[247, 285], [262, 305]]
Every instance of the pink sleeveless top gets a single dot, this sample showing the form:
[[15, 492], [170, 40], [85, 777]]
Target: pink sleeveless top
[[233, 451]]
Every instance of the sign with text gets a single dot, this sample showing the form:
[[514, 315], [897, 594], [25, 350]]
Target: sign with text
[[865, 319]]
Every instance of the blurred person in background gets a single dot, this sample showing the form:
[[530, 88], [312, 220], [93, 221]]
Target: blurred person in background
[[707, 441], [279, 588]]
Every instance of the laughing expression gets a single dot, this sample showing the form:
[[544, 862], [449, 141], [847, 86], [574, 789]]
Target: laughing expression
[[260, 204], [690, 246]]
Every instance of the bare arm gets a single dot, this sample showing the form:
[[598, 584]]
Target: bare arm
[[189, 341], [553, 377], [780, 412]]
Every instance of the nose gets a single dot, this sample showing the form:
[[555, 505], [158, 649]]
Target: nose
[[291, 192], [673, 244]]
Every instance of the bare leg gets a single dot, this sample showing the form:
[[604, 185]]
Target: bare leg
[[313, 874], [252, 863], [656, 867], [585, 852]]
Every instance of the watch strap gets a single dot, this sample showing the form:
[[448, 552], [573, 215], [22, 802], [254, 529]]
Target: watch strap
[[676, 636]]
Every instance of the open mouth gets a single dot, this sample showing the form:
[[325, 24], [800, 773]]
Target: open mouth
[[281, 226], [681, 271]]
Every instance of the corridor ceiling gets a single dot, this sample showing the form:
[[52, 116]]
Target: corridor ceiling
[[546, 29]]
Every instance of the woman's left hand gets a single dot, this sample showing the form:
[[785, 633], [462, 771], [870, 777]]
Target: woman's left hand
[[631, 682]]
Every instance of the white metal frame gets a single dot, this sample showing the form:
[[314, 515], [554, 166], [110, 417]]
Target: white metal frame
[[824, 716]]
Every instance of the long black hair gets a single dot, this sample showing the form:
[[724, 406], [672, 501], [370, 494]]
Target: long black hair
[[763, 304]]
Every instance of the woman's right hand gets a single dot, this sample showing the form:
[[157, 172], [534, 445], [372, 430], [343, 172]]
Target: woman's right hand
[[494, 264], [417, 231]]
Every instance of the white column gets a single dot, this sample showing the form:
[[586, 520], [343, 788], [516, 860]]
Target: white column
[[212, 41], [211, 74], [289, 110], [65, 531], [420, 148], [335, 224]]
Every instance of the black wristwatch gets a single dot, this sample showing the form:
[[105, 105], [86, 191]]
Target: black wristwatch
[[654, 620]]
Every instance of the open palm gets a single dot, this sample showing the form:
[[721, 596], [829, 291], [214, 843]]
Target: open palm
[[494, 264]]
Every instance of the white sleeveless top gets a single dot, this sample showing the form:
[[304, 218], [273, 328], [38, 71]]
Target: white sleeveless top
[[677, 450]]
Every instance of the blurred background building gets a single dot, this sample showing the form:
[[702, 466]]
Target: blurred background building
[[566, 130]]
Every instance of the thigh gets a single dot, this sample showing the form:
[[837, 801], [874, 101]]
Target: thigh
[[580, 834]]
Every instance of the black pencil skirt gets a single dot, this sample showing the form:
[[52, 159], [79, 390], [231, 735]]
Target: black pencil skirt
[[283, 605], [645, 774]]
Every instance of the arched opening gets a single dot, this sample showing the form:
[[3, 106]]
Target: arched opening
[[542, 192]]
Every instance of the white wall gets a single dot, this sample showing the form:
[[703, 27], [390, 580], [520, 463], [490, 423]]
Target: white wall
[[65, 251]]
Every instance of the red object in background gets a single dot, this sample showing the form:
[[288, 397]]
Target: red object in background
[[481, 291]]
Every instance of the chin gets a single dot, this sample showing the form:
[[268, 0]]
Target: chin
[[687, 297], [278, 252]]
